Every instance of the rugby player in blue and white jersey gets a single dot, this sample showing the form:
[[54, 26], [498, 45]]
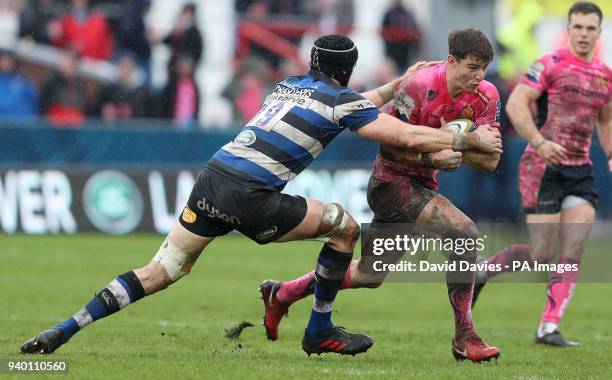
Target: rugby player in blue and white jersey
[[240, 189]]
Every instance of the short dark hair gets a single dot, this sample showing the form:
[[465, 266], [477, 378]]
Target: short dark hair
[[470, 42], [585, 7]]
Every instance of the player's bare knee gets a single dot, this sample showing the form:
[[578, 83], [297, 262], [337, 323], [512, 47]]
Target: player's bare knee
[[542, 259], [468, 230], [462, 234], [542, 254]]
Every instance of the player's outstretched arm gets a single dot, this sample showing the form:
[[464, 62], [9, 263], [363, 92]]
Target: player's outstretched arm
[[604, 129], [518, 111], [389, 130], [383, 94]]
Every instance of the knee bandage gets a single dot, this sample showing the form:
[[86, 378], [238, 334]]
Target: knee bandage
[[172, 258], [335, 218]]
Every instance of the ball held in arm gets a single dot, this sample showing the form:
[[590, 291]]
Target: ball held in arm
[[461, 126]]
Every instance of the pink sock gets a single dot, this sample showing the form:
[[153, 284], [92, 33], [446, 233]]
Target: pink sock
[[460, 285], [347, 281], [514, 252], [560, 290], [460, 296], [302, 287]]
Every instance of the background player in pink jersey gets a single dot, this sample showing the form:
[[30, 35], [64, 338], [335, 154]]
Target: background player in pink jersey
[[555, 176], [402, 186]]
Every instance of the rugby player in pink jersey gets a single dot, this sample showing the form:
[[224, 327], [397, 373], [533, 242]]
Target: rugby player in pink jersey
[[240, 187], [402, 186], [573, 91]]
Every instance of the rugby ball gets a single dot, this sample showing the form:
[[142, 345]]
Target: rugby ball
[[461, 126]]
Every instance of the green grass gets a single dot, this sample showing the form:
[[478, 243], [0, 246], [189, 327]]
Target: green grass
[[179, 332]]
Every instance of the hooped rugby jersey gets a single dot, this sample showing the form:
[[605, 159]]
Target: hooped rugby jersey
[[573, 94], [423, 99], [297, 121]]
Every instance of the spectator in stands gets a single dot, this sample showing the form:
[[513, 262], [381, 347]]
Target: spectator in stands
[[129, 97], [85, 31], [248, 88], [254, 11], [9, 17], [335, 16], [18, 96], [276, 8], [286, 19], [241, 6], [399, 32], [39, 20], [62, 98], [184, 39], [180, 99], [131, 33]]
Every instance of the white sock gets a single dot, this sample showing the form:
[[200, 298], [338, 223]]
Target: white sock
[[546, 328]]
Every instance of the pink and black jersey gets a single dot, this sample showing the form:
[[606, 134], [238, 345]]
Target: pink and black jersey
[[573, 94], [423, 99]]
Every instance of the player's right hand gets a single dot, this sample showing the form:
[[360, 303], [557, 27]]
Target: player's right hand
[[490, 139], [446, 160], [551, 152]]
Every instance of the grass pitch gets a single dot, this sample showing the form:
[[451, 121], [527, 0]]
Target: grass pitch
[[180, 333]]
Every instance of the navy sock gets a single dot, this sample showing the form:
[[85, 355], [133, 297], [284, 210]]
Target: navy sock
[[69, 327], [122, 291], [330, 270]]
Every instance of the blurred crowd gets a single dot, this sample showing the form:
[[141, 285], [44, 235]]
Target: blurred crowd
[[268, 35], [108, 31], [259, 62]]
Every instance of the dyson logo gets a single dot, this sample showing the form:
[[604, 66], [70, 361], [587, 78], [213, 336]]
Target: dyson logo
[[214, 212]]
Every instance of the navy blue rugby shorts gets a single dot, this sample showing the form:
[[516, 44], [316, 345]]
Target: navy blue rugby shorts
[[219, 204]]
